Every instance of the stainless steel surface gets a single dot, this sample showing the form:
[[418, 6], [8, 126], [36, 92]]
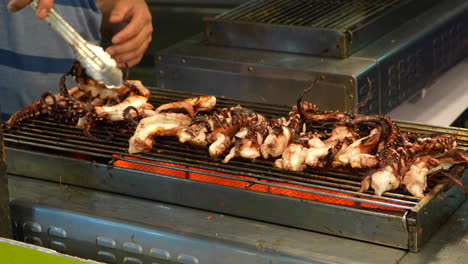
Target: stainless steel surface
[[316, 27], [112, 220], [97, 62], [169, 231], [400, 65], [5, 223], [263, 76], [93, 163]]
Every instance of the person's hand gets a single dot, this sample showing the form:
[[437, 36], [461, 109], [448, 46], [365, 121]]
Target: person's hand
[[43, 8], [131, 42]]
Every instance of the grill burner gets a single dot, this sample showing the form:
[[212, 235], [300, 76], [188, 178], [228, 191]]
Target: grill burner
[[182, 174], [334, 28]]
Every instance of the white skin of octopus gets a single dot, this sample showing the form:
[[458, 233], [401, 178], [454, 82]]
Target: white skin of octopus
[[161, 124], [274, 145], [381, 181], [247, 148], [353, 154], [293, 158]]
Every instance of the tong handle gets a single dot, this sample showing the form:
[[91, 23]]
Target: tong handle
[[72, 37]]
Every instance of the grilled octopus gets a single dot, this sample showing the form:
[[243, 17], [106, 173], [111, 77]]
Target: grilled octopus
[[87, 104], [305, 138], [167, 120]]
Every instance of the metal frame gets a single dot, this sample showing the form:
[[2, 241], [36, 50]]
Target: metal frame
[[5, 222]]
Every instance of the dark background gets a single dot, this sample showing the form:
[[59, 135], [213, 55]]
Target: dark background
[[173, 21]]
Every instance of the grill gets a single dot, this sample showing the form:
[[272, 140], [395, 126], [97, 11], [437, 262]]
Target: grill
[[324, 201], [335, 28]]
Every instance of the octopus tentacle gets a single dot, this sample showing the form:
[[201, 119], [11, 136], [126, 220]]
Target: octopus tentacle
[[65, 93], [127, 115], [358, 106], [29, 111]]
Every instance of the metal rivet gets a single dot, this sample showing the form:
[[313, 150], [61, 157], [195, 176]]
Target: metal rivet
[[159, 253], [57, 232], [130, 260], [106, 242], [250, 68], [59, 246], [32, 227], [133, 248], [186, 259], [33, 240], [106, 256], [183, 61]]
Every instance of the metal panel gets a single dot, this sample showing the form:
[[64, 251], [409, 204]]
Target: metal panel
[[439, 205], [261, 76], [316, 27], [166, 231], [418, 52]]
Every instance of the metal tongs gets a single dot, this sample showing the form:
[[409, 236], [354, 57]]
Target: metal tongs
[[98, 64]]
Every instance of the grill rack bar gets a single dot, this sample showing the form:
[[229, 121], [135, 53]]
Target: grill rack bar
[[318, 13]]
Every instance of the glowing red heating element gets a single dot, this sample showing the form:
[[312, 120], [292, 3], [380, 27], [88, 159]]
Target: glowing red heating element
[[243, 183]]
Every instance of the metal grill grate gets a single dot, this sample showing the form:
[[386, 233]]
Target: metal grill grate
[[183, 174], [334, 28], [338, 14], [111, 145]]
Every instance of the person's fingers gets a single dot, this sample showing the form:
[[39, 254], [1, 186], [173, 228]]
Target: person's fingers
[[130, 63], [16, 5], [44, 7], [132, 44], [134, 56], [137, 23], [42, 11], [120, 11]]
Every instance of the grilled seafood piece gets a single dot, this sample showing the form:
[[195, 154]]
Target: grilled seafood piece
[[293, 158], [226, 125], [87, 104], [357, 155], [189, 106], [247, 142], [410, 162], [167, 120], [160, 124]]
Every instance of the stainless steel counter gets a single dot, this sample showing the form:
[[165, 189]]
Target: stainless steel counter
[[178, 234]]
